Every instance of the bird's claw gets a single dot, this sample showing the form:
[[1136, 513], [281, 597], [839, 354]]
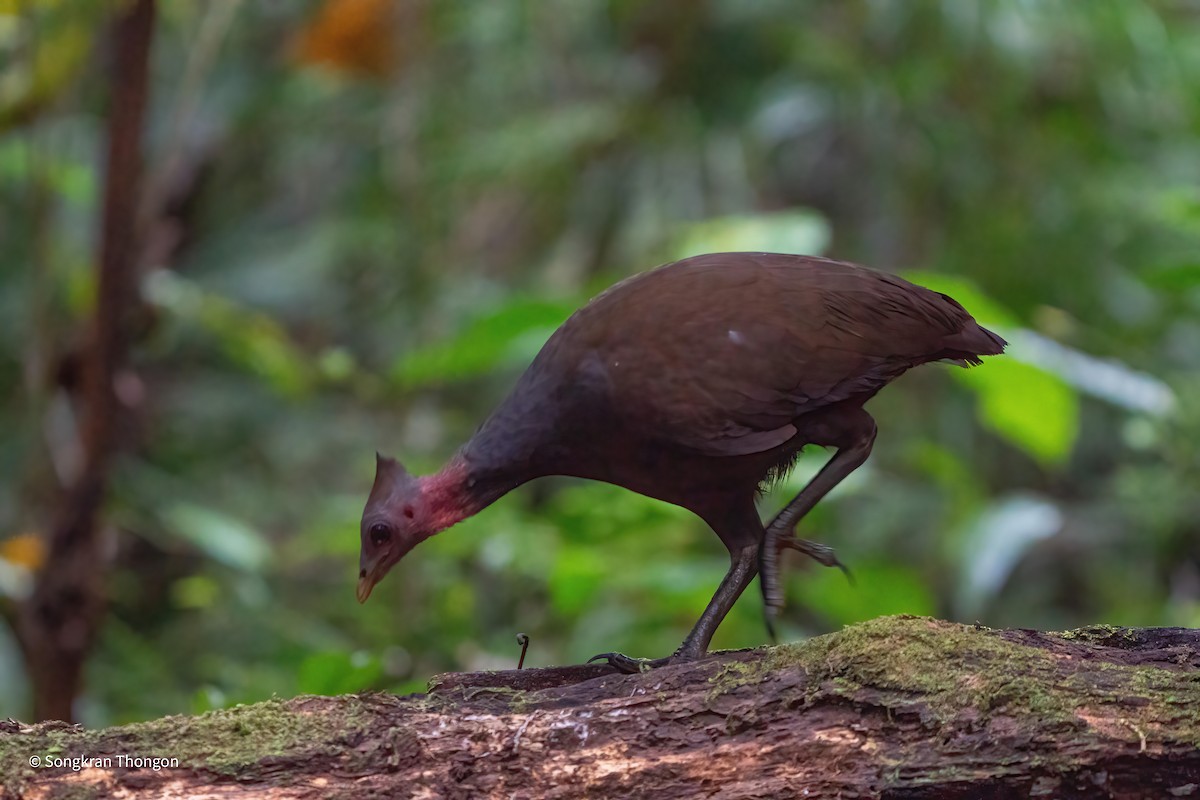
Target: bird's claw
[[773, 545], [627, 665], [823, 554], [768, 568]]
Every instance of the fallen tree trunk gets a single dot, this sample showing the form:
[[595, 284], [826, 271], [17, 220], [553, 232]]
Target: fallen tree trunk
[[899, 707]]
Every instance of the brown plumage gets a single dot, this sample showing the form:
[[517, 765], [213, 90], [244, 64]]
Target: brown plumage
[[694, 383]]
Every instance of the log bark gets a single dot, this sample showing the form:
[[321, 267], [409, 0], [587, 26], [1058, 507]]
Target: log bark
[[898, 707]]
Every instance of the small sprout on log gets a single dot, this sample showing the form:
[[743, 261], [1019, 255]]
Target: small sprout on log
[[523, 640]]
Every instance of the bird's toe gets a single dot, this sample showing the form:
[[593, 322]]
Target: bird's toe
[[823, 554], [628, 665]]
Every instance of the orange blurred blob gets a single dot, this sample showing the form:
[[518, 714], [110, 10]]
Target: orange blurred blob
[[26, 550], [355, 36]]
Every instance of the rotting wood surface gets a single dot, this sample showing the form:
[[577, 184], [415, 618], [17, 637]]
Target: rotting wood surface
[[898, 707]]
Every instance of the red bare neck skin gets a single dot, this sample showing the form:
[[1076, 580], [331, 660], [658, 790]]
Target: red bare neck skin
[[448, 497]]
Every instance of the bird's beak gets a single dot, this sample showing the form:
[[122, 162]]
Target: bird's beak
[[368, 576], [365, 584], [371, 572]]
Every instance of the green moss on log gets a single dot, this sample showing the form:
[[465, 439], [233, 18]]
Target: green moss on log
[[947, 669], [230, 741]]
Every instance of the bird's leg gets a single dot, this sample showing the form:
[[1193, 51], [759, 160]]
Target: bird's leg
[[854, 442], [742, 569]]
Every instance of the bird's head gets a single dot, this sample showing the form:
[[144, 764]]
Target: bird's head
[[394, 521]]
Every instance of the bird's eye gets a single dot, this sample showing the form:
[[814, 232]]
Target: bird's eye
[[380, 533]]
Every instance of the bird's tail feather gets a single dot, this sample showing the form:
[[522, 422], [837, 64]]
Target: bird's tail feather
[[965, 347]]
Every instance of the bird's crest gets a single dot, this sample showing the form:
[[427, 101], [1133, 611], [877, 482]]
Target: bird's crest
[[390, 475]]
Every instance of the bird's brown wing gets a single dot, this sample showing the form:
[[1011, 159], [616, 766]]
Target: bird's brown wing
[[721, 354]]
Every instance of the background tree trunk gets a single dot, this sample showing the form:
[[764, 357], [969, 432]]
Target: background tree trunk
[[58, 623], [898, 707]]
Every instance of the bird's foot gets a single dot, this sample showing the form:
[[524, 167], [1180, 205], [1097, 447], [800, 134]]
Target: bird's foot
[[768, 577], [823, 554], [773, 545], [630, 666]]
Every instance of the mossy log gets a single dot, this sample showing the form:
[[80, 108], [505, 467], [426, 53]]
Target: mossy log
[[899, 707]]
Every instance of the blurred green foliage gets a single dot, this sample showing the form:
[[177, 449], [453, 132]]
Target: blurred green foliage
[[364, 253]]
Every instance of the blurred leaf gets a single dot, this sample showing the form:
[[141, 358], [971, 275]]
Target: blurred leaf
[[258, 343], [16, 582], [71, 180], [195, 591], [63, 35], [1174, 278], [1107, 379], [1032, 409], [598, 512], [219, 536], [337, 365], [208, 698], [946, 467], [535, 141], [251, 339], [995, 543], [337, 672], [331, 527], [509, 336], [576, 580], [1179, 206], [795, 231], [878, 589]]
